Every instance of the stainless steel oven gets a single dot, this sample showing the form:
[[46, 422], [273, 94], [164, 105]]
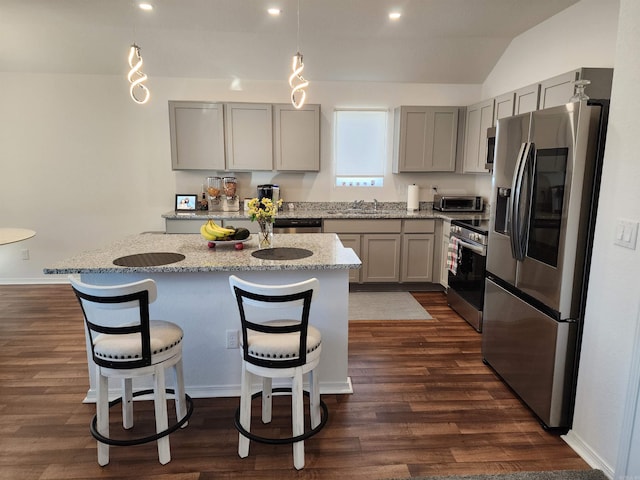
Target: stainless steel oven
[[467, 261]]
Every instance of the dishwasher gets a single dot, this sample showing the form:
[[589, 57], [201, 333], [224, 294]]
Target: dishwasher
[[297, 225]]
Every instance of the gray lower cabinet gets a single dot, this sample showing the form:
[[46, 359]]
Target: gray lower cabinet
[[381, 255], [391, 250], [425, 139], [417, 257], [182, 226], [353, 241], [418, 246], [444, 249], [197, 135]]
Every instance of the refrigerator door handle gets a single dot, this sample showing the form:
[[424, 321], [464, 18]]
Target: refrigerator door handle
[[517, 248]]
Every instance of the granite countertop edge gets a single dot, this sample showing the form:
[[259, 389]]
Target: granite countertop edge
[[328, 254], [178, 269]]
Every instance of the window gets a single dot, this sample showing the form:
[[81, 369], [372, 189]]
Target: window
[[360, 147]]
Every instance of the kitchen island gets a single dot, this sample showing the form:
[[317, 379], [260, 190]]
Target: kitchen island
[[194, 292]]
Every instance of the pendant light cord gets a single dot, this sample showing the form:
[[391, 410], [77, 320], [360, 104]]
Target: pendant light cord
[[298, 32]]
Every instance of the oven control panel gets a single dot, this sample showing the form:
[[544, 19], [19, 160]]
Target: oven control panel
[[476, 234]]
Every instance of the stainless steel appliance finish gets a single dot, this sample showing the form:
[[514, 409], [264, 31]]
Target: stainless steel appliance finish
[[458, 203], [491, 147], [466, 286], [269, 190], [297, 225], [544, 190]]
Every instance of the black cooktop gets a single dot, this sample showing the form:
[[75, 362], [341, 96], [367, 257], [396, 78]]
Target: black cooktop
[[478, 226]]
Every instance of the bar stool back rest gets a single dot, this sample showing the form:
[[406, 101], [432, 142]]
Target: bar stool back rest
[[273, 297], [137, 295]]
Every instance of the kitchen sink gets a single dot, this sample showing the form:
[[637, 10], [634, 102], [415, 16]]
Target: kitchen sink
[[354, 211]]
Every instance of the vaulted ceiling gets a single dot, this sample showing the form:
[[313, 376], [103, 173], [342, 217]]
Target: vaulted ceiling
[[434, 41]]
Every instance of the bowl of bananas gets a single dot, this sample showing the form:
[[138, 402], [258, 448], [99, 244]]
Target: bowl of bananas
[[215, 234]]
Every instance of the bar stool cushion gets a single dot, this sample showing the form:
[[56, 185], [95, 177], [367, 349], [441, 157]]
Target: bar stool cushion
[[164, 336], [283, 346]]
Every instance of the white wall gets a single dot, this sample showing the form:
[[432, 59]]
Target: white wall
[[583, 35], [613, 303], [587, 34], [82, 164]]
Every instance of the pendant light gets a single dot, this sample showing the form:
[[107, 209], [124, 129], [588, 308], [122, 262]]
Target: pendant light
[[137, 89], [136, 77], [296, 80]]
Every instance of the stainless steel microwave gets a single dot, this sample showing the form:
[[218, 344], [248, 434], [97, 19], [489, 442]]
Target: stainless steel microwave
[[491, 148], [458, 203]]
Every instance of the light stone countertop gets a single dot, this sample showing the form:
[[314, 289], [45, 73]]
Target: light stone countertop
[[338, 210], [328, 254]]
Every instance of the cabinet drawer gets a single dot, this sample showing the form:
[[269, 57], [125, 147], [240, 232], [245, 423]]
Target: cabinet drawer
[[419, 226], [362, 226]]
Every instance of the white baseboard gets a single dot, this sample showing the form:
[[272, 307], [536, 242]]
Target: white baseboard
[[52, 280], [587, 453], [326, 388]]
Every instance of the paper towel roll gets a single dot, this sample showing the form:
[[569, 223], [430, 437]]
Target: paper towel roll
[[413, 198]]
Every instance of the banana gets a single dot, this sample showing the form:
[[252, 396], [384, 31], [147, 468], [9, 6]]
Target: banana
[[212, 231], [214, 228], [206, 234]]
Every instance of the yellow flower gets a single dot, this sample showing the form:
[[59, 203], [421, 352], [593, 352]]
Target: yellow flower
[[263, 210]]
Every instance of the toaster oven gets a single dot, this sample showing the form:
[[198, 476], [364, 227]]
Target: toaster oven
[[458, 203]]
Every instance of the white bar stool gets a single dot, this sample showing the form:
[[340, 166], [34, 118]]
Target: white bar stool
[[125, 344], [277, 347]]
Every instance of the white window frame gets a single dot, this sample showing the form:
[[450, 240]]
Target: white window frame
[[356, 177]]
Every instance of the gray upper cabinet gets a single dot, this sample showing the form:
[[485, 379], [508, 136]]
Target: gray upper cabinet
[[526, 99], [425, 139], [197, 135], [479, 119], [504, 106], [559, 90], [249, 136], [296, 137]]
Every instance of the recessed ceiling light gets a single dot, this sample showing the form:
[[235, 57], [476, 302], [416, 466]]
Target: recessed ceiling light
[[145, 6], [395, 15], [274, 11]]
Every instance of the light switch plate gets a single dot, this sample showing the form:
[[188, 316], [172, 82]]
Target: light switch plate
[[626, 233]]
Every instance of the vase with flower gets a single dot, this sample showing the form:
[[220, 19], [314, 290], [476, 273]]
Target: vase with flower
[[264, 212]]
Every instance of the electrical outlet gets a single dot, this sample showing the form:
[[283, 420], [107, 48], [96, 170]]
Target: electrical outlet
[[233, 340], [25, 254]]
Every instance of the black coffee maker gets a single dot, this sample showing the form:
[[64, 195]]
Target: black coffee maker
[[270, 191]]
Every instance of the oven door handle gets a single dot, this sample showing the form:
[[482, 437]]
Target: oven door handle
[[474, 248]]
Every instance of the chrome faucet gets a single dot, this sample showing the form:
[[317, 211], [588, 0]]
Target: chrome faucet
[[375, 204]]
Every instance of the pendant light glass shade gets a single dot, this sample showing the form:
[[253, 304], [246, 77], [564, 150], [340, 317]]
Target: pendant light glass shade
[[136, 77], [297, 82]]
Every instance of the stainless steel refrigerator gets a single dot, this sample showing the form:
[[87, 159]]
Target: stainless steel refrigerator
[[544, 198]]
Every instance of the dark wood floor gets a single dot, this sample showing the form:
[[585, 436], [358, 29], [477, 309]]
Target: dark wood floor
[[423, 404]]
